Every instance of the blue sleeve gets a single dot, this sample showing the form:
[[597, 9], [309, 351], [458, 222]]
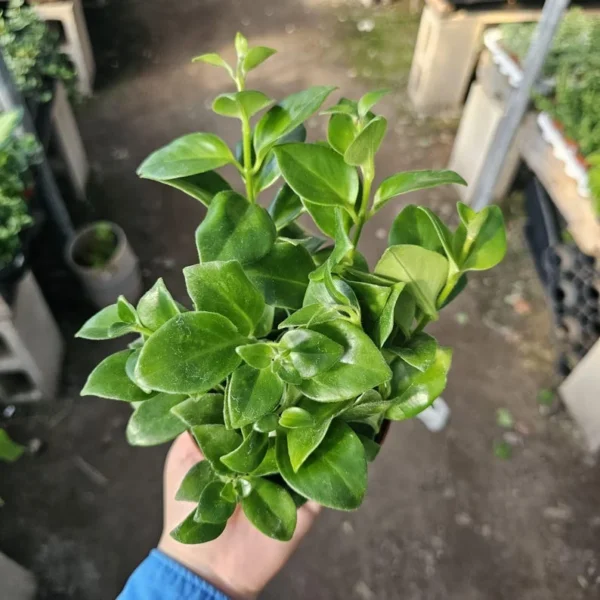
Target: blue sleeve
[[162, 578]]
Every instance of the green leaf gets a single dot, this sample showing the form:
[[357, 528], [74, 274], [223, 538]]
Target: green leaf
[[216, 61], [303, 441], [343, 107], [269, 464], [191, 532], [204, 409], [367, 405], [252, 393], [196, 479], [241, 45], [369, 100], [223, 288], [444, 235], [240, 105], [412, 390], [10, 451], [258, 355], [229, 492], [334, 475], [120, 328], [480, 240], [256, 56], [385, 323], [265, 325], [313, 314], [282, 275], [212, 507], [340, 132], [360, 368], [364, 147], [156, 306], [109, 380], [371, 447], [286, 116], [270, 508], [318, 293], [286, 207], [318, 174], [188, 155], [310, 352], [420, 351], [152, 422], [410, 181], [423, 271], [202, 186], [372, 299], [295, 417], [249, 455], [98, 326], [414, 227], [235, 229], [190, 354], [126, 311], [404, 313], [286, 370], [267, 423], [216, 441], [341, 253], [325, 218]]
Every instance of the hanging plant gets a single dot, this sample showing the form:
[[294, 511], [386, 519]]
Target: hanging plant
[[294, 353]]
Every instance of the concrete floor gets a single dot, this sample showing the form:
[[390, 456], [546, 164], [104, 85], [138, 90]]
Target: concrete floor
[[444, 518]]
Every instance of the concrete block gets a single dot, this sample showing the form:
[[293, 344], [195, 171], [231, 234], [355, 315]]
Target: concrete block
[[16, 583], [77, 40], [476, 131], [580, 392], [31, 347]]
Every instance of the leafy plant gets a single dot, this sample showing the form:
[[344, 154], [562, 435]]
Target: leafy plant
[[32, 52], [99, 248], [294, 352], [17, 154]]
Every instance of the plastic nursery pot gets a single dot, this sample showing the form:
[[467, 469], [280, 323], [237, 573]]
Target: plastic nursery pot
[[103, 260]]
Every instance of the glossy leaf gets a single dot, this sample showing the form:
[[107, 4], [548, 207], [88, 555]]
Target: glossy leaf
[[286, 207], [325, 218], [222, 287], [258, 356], [384, 324], [188, 155], [190, 354], [340, 132], [286, 371], [372, 299], [240, 105], [413, 226], [202, 186], [265, 325], [334, 475], [204, 409], [360, 368], [404, 313], [194, 482], [268, 466], [295, 417], [419, 352], [98, 326], [249, 455], [215, 60], [343, 107], [313, 314], [212, 507], [235, 229], [282, 275], [423, 271], [318, 174], [370, 446], [252, 393], [318, 293], [367, 405], [125, 310], [153, 423], [109, 380], [191, 532], [216, 441], [256, 56], [310, 352], [10, 451], [369, 100], [411, 181], [412, 390], [364, 147], [157, 306], [270, 508], [286, 116]]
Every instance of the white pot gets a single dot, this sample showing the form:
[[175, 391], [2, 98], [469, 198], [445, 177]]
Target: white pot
[[119, 276]]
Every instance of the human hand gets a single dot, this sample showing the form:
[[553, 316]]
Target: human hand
[[242, 560]]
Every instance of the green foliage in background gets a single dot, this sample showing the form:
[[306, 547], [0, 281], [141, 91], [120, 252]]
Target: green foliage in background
[[17, 154], [294, 353], [32, 53], [594, 179]]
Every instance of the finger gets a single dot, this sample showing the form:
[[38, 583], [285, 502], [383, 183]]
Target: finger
[[307, 515], [182, 456]]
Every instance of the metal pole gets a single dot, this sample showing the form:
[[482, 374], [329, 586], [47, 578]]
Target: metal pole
[[518, 101], [10, 98]]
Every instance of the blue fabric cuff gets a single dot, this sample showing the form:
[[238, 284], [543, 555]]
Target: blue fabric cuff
[[159, 577]]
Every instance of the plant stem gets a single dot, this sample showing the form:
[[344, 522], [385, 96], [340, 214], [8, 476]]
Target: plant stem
[[247, 171], [368, 176]]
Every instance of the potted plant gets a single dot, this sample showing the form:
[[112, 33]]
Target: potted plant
[[107, 267], [294, 353], [17, 155], [32, 53]]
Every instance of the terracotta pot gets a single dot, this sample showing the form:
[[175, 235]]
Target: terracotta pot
[[120, 275]]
